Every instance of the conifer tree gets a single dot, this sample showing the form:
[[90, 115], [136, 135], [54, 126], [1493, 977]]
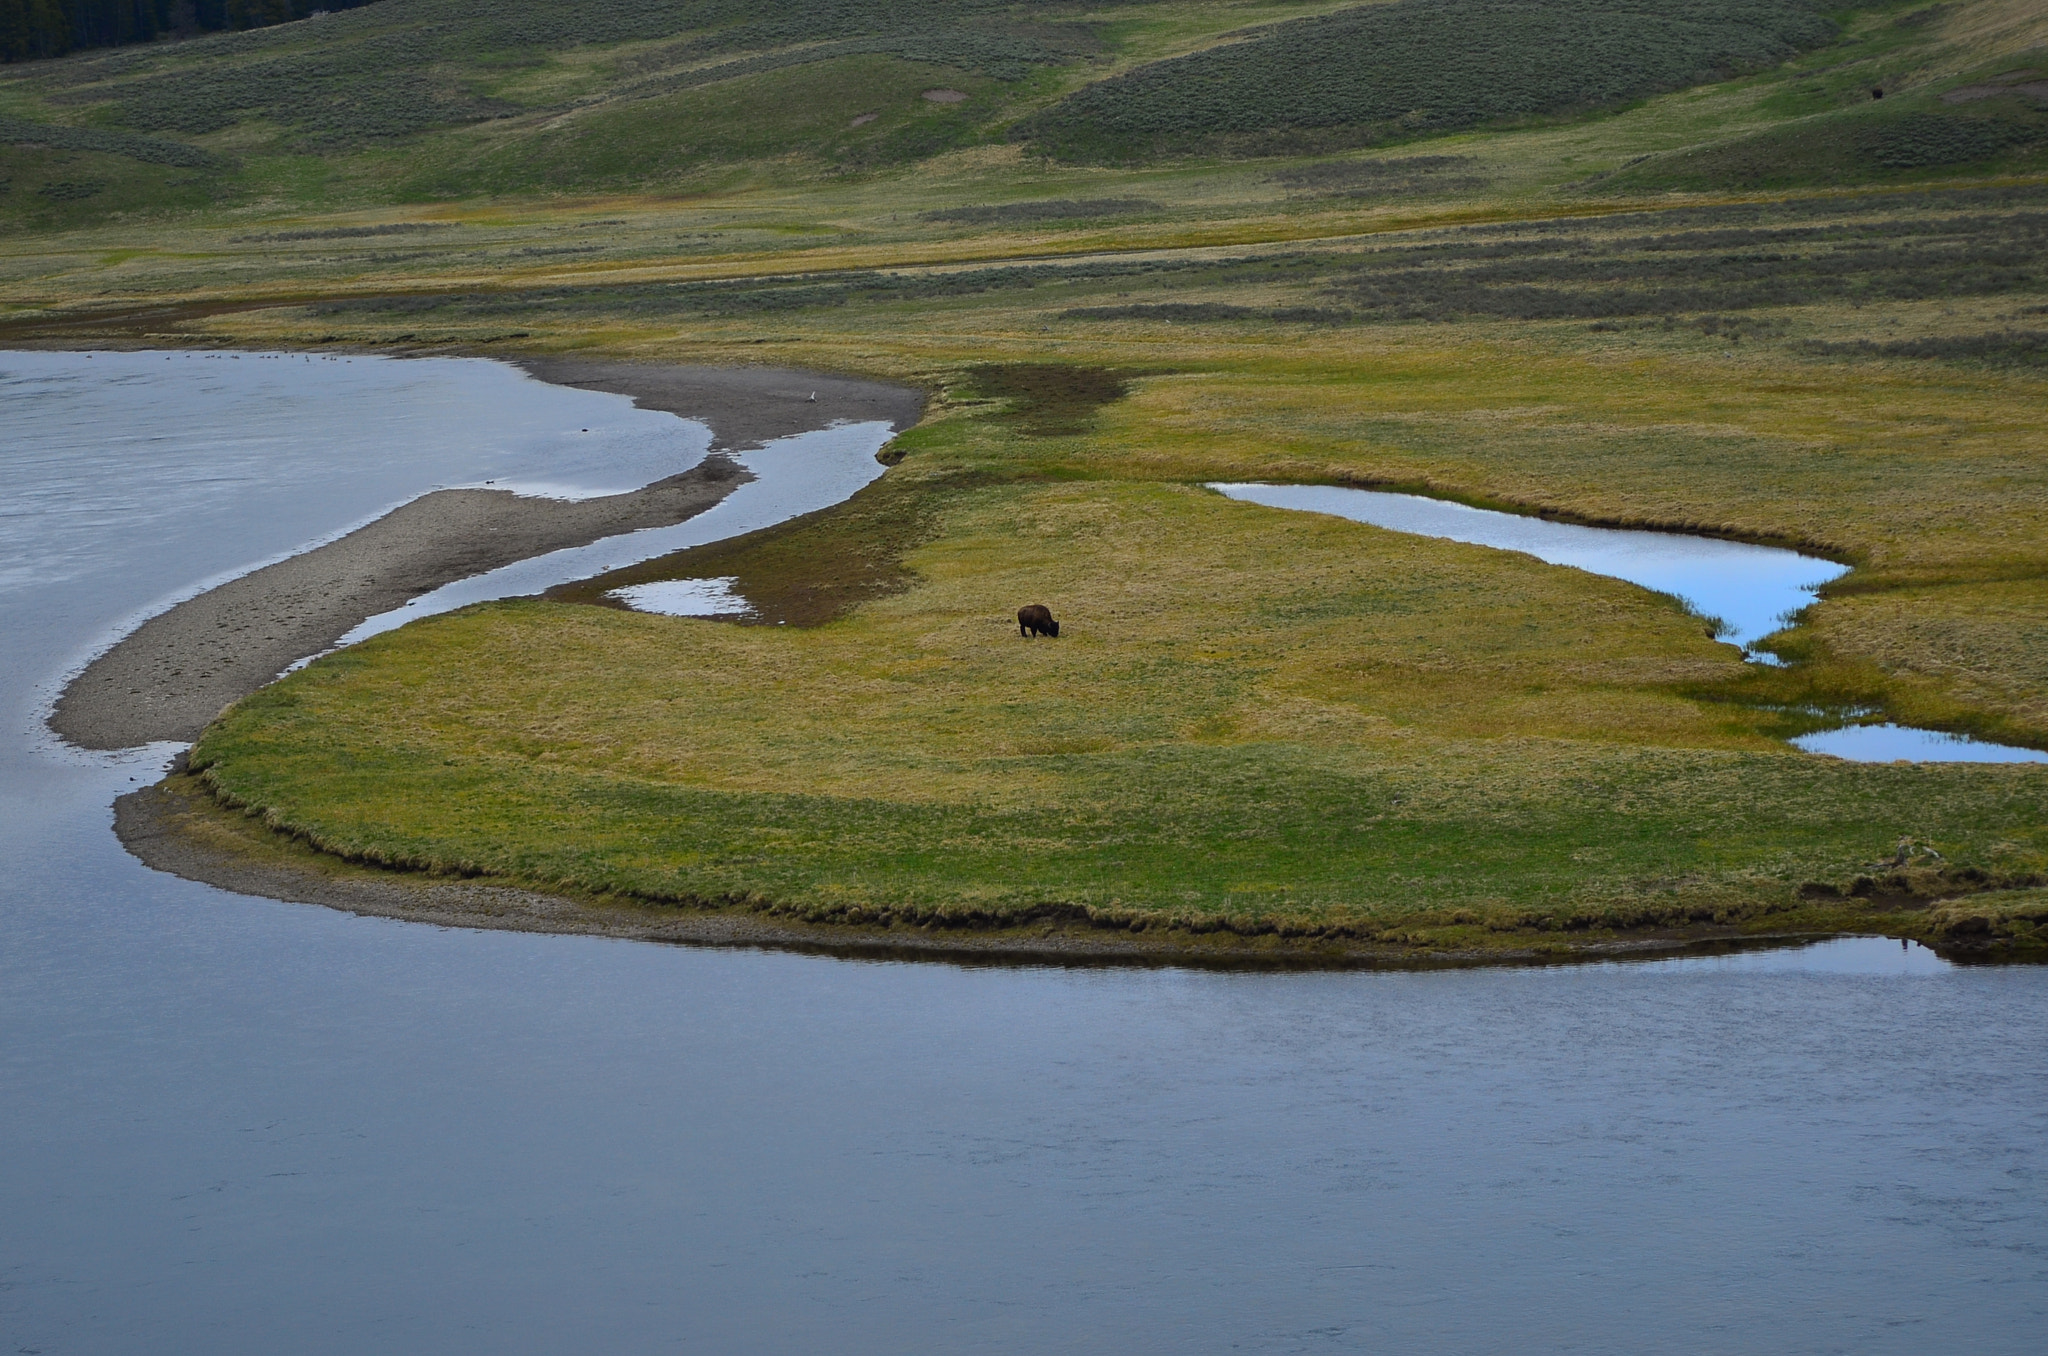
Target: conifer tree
[[45, 28]]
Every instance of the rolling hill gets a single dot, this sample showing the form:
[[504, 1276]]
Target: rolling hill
[[438, 99]]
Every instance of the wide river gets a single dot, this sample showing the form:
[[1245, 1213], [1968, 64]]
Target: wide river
[[233, 1125]]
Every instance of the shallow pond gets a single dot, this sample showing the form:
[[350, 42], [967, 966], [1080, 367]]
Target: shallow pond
[[1888, 743], [1751, 590], [229, 1124], [685, 597]]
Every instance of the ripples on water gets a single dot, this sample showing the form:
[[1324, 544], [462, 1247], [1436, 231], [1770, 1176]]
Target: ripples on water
[[228, 1124]]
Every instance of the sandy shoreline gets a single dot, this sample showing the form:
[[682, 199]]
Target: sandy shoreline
[[169, 677], [743, 406], [172, 675]]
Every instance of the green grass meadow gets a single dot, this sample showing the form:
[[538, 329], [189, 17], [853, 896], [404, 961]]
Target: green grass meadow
[[1688, 271]]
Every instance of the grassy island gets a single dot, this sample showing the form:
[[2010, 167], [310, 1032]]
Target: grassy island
[[1689, 273]]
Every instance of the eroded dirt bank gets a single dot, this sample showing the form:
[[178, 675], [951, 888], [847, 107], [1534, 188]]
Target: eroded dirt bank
[[178, 826]]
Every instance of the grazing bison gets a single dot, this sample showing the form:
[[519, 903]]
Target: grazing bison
[[1036, 620]]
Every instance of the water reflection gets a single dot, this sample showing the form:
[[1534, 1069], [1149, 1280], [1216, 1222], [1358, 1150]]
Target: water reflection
[[1750, 589], [685, 597], [1835, 956], [261, 1127], [1889, 743]]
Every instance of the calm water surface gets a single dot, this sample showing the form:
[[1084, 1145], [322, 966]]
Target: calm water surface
[[233, 1125], [1887, 743], [792, 476], [685, 597], [1751, 590]]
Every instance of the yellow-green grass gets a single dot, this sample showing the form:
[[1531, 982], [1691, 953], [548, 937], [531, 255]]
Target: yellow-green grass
[[721, 168], [1252, 719], [2014, 920], [1925, 475], [1963, 646], [1252, 716]]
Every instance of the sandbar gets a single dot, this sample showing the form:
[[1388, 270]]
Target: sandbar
[[167, 679], [743, 406]]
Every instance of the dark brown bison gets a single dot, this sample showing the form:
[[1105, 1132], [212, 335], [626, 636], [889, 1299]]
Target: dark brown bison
[[1036, 619]]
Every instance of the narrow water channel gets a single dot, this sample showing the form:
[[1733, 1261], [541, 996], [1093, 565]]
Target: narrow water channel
[[793, 476], [1751, 591], [230, 1124]]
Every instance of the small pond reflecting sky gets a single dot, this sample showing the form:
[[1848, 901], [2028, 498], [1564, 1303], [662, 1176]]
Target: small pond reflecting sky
[[1749, 588], [1752, 590]]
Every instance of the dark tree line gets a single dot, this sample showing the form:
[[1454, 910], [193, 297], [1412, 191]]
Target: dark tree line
[[46, 28]]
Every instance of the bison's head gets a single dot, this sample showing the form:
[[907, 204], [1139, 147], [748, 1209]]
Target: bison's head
[[1052, 628]]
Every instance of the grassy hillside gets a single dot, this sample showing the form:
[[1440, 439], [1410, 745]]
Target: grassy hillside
[[1921, 92], [1380, 72], [413, 98], [423, 100], [1706, 282], [420, 64]]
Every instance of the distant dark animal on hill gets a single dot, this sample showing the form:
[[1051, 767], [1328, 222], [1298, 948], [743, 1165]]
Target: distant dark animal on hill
[[1036, 620]]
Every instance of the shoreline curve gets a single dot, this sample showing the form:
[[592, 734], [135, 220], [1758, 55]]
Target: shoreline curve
[[742, 406], [179, 827], [169, 677]]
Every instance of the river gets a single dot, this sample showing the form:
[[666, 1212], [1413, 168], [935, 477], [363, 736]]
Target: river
[[229, 1124]]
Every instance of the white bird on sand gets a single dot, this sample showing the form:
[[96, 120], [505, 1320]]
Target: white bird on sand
[[814, 397]]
